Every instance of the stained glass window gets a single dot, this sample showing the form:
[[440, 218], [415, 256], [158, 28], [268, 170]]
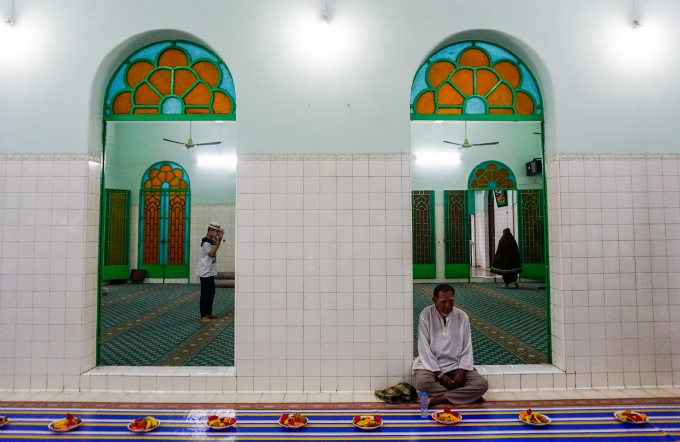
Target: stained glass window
[[171, 80], [492, 175], [165, 175], [475, 80]]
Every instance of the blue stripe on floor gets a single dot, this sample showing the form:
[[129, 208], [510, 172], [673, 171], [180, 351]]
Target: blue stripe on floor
[[576, 423]]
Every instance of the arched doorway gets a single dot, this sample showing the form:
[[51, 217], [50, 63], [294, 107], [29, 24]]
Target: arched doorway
[[477, 117], [169, 114]]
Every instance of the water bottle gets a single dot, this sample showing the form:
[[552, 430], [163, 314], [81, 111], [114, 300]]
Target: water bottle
[[424, 402]]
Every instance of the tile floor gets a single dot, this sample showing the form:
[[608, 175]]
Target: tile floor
[[27, 396]]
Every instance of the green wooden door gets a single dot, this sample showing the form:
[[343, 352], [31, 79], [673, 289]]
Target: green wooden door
[[116, 228], [531, 220], [424, 265], [457, 233]]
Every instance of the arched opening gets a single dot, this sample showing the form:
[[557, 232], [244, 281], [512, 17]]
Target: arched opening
[[169, 113], [477, 119]]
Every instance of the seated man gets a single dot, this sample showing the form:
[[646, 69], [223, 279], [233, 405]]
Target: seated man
[[444, 368]]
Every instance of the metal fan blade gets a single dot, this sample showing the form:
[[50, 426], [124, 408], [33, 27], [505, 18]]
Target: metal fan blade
[[173, 141], [485, 144], [451, 142], [206, 144]]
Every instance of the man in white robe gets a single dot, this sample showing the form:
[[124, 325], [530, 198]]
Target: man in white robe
[[444, 368]]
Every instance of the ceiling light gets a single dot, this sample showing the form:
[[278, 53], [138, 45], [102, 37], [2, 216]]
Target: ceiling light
[[637, 25], [437, 158], [11, 20]]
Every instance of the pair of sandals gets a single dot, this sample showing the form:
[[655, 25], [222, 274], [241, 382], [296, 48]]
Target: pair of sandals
[[508, 287]]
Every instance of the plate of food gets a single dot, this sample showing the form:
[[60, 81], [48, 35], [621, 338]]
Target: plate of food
[[220, 423], [67, 424], [534, 418], [293, 420], [144, 424], [447, 417], [3, 421], [631, 417], [367, 422]]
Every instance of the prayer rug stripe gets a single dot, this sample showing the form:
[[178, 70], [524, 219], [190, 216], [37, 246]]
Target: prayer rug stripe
[[568, 423]]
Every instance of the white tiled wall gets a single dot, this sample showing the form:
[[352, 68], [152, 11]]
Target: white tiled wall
[[323, 300], [615, 269], [48, 269], [201, 216]]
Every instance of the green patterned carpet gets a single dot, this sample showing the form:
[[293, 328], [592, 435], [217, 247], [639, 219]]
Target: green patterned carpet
[[508, 325], [158, 324]]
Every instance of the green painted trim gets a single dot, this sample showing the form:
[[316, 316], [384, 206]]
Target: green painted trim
[[424, 271], [476, 117], [176, 271], [116, 272], [546, 230], [457, 271], [152, 270], [170, 117], [533, 271], [100, 257]]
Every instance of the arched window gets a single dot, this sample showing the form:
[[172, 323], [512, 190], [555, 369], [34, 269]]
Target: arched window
[[492, 175], [171, 80], [474, 80], [164, 215]]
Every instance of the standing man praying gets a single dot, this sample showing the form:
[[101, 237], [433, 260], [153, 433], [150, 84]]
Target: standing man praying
[[444, 368], [207, 269]]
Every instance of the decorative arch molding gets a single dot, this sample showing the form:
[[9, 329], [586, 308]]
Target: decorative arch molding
[[492, 175], [168, 81], [475, 80]]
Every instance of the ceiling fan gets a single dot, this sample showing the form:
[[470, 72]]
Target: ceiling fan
[[466, 144], [189, 144]]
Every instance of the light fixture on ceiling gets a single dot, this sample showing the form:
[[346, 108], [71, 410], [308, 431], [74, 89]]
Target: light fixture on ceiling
[[636, 24], [10, 22], [324, 15]]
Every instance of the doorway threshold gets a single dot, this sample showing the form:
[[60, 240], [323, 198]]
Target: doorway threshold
[[523, 377]]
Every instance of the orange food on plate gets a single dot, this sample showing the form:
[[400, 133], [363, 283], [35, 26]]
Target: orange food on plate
[[533, 417], [447, 416], [367, 421], [215, 421], [632, 416], [293, 420], [65, 424]]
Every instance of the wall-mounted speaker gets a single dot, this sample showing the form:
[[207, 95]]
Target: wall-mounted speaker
[[534, 167]]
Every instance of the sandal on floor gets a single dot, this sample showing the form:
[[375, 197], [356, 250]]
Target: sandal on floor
[[206, 320]]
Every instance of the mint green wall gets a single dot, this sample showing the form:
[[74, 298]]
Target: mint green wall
[[607, 88], [131, 147], [518, 145]]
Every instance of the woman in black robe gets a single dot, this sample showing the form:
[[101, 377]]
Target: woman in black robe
[[507, 261]]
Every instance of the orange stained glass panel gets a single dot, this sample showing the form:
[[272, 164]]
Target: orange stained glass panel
[[161, 80], [145, 95], [439, 72], [174, 182], [425, 103], [166, 167], [483, 182], [183, 185], [221, 103], [447, 94], [173, 58], [511, 184], [450, 110], [523, 103], [474, 58], [492, 167], [200, 94], [138, 72], [152, 206], [502, 95], [153, 173], [156, 182], [178, 173], [463, 79], [208, 72], [198, 110], [501, 111], [508, 72], [505, 172], [479, 172], [184, 79], [145, 111], [122, 104], [486, 79]]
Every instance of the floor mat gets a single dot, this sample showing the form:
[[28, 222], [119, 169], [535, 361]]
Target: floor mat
[[157, 324], [509, 326], [256, 424]]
